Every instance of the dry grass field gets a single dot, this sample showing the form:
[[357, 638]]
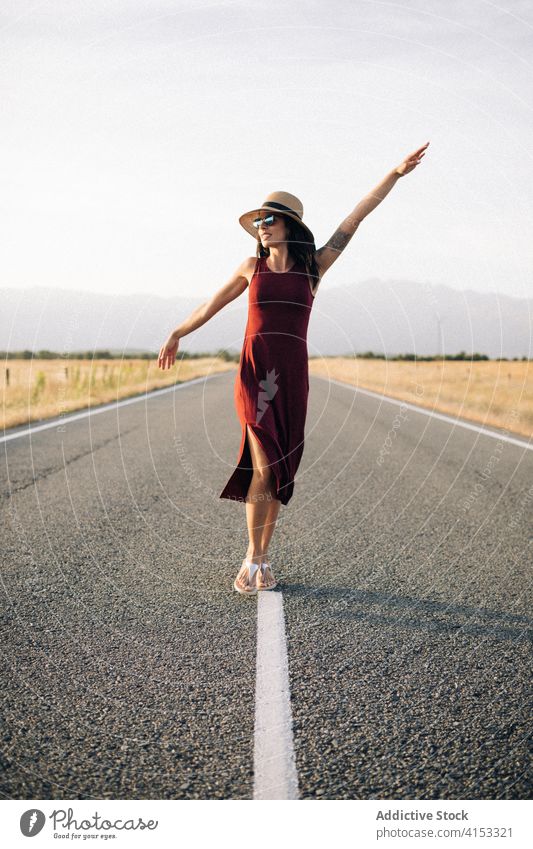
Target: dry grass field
[[491, 393], [42, 389], [495, 393]]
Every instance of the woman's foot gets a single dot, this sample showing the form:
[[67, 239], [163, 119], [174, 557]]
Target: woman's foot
[[245, 581], [265, 579]]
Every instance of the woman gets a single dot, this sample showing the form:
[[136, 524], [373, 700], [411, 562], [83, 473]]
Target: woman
[[272, 384]]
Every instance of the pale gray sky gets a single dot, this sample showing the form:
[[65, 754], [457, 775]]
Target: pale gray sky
[[133, 135]]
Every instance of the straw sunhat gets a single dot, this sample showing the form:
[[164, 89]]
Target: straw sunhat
[[281, 202]]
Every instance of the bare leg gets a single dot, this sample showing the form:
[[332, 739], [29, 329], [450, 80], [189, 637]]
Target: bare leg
[[261, 507], [259, 502], [270, 524], [265, 578]]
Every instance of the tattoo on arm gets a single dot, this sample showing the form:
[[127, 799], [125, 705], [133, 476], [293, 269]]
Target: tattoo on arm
[[339, 240]]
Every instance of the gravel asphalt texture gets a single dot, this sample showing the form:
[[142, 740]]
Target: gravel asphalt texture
[[128, 663]]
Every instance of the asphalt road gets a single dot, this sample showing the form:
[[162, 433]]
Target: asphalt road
[[404, 561]]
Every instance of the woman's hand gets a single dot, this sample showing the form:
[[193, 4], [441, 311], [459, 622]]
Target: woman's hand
[[167, 354], [411, 161]]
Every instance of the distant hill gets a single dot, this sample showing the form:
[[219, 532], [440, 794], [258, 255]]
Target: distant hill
[[391, 317]]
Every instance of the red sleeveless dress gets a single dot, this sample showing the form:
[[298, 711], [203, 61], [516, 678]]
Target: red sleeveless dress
[[272, 384]]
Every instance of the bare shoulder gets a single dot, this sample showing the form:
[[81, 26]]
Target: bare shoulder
[[248, 267]]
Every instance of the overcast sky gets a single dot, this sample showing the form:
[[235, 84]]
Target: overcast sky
[[133, 135]]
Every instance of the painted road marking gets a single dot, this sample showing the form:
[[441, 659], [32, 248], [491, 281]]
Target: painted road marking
[[63, 420], [459, 422], [113, 406], [275, 775]]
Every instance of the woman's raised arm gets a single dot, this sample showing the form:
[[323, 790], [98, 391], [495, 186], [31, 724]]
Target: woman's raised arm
[[327, 255], [235, 286]]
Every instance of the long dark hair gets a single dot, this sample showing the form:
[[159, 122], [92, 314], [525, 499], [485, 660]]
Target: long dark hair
[[301, 246]]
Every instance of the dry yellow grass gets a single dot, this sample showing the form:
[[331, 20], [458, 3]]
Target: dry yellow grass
[[42, 389], [491, 393], [484, 392]]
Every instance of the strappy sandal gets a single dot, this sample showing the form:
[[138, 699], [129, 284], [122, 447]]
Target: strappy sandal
[[260, 577], [252, 569]]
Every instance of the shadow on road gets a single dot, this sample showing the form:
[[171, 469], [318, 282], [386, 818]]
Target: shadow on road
[[418, 614]]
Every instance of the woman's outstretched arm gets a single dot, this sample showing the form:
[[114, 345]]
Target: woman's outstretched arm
[[236, 285], [327, 255]]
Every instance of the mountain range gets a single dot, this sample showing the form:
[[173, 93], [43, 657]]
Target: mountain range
[[388, 317]]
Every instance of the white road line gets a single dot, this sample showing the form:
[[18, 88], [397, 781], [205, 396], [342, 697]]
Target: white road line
[[63, 420], [275, 775], [459, 422]]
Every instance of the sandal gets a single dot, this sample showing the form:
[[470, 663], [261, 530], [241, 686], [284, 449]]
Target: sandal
[[252, 569], [265, 580]]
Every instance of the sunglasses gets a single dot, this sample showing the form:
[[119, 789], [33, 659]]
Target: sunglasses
[[267, 221]]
